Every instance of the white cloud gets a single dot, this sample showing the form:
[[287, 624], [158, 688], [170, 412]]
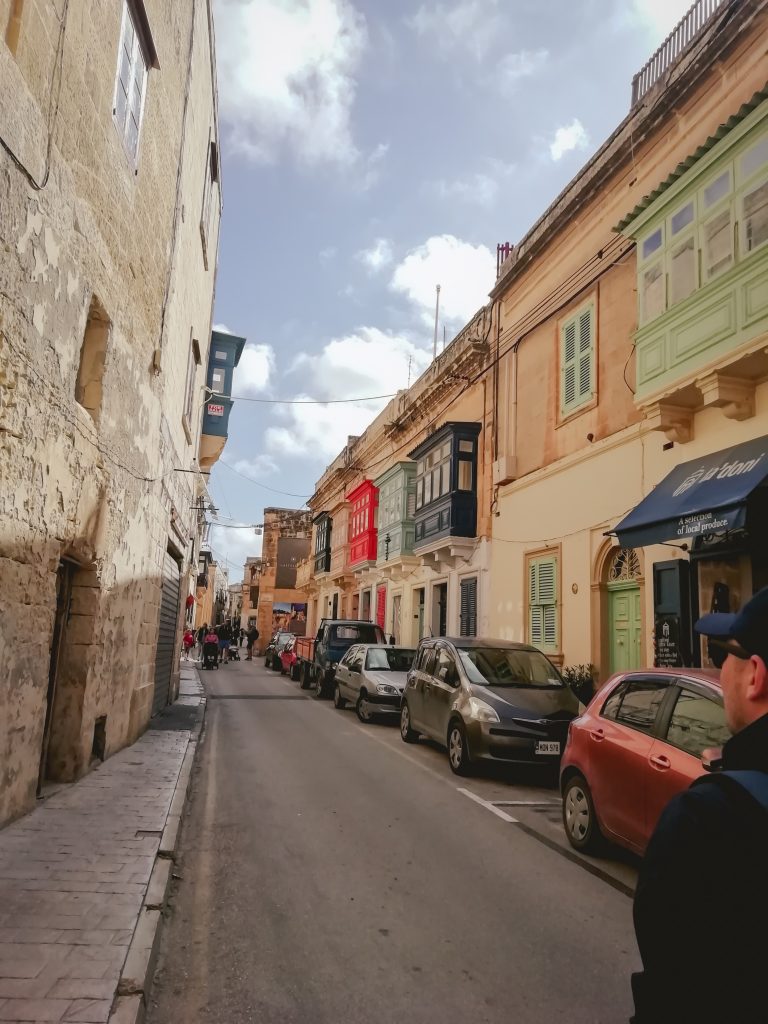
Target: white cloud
[[659, 17], [378, 256], [258, 466], [251, 376], [515, 66], [231, 547], [371, 175], [222, 329], [287, 76], [480, 189], [366, 362], [465, 273], [567, 138], [470, 25]]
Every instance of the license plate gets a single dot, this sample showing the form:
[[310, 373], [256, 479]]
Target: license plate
[[548, 747]]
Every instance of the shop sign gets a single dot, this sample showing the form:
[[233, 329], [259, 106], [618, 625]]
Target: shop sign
[[709, 522], [667, 653], [215, 410]]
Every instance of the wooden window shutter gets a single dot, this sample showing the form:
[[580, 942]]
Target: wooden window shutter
[[468, 612], [569, 392], [586, 350], [578, 360], [542, 603]]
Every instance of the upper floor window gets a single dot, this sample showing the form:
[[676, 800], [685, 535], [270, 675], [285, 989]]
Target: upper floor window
[[723, 221], [543, 618], [577, 359], [13, 27], [433, 475], [218, 377], [193, 361], [209, 188], [136, 54]]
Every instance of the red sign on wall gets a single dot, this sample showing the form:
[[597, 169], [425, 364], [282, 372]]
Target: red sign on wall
[[381, 605]]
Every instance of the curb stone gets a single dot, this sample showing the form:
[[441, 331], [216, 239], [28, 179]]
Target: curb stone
[[129, 1006]]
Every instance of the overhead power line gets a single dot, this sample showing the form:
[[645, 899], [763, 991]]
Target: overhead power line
[[258, 483], [307, 401]]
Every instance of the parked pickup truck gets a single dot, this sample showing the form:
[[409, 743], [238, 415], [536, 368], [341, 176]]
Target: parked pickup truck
[[317, 658]]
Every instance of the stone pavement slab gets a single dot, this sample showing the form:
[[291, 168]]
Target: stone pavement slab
[[74, 874]]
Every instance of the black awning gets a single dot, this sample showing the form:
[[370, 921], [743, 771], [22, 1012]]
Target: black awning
[[704, 496]]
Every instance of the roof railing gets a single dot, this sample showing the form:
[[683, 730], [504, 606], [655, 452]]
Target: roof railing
[[680, 39]]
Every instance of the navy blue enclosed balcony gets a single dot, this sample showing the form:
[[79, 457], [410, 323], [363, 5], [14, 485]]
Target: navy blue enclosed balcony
[[446, 484], [224, 356], [322, 554]]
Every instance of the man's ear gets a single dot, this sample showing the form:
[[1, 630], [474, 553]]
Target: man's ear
[[758, 687]]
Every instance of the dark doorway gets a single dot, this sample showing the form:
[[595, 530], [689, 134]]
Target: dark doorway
[[165, 659], [64, 579], [439, 609]]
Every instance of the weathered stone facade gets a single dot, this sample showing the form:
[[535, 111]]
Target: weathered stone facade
[[287, 535], [106, 280]]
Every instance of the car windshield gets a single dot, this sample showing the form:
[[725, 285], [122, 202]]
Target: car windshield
[[389, 659], [356, 632], [502, 666]]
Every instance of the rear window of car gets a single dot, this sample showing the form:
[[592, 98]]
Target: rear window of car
[[697, 722], [636, 703], [364, 633], [389, 659]]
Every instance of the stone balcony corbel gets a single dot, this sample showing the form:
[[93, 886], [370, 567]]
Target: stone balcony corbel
[[734, 395], [675, 421]]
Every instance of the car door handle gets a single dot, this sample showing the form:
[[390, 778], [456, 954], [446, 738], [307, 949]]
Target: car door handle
[[597, 734], [660, 761]]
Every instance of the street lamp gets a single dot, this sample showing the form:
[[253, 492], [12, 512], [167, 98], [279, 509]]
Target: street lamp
[[387, 542]]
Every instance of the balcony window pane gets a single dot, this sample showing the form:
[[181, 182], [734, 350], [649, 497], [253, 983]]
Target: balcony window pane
[[217, 381], [652, 243], [445, 471], [465, 474], [756, 217], [717, 189], [653, 297], [717, 244], [427, 489], [682, 271], [466, 446], [755, 158], [682, 219]]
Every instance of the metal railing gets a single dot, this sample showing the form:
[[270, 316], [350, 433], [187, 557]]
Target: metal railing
[[685, 33]]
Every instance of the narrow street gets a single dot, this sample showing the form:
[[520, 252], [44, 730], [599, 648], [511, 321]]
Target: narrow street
[[328, 873]]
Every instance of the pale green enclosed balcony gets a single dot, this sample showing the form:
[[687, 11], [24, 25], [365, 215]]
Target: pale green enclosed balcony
[[702, 278], [397, 506]]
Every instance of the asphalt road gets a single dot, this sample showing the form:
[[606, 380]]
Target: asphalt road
[[330, 874]]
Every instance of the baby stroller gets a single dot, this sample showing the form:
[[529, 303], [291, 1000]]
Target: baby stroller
[[210, 654], [234, 652]]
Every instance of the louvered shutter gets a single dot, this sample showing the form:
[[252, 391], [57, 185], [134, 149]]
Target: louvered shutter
[[381, 606], [468, 613], [577, 360], [585, 355], [569, 364], [542, 603]]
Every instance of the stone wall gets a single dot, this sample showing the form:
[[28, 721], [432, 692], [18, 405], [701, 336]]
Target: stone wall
[[81, 229]]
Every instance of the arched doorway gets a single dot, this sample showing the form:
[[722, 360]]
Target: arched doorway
[[625, 611]]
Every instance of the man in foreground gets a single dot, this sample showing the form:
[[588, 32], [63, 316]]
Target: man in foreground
[[701, 904]]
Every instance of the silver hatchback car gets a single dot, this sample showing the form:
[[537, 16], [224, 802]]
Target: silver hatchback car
[[487, 700], [372, 677]]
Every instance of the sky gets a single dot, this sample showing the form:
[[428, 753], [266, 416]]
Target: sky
[[370, 151]]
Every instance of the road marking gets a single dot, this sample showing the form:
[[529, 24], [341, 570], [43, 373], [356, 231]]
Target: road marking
[[527, 803], [488, 806]]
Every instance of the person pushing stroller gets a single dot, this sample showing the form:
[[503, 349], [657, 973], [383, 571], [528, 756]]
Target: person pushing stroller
[[210, 650]]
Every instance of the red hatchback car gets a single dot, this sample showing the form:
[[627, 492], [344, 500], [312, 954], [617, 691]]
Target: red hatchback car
[[639, 743]]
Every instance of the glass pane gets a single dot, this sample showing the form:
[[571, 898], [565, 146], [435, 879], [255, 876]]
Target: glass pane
[[445, 472], [718, 244], [611, 706], [652, 243], [133, 136], [718, 189], [682, 271], [654, 299], [465, 475], [641, 704], [125, 69], [427, 489], [682, 219], [755, 158], [420, 466], [697, 723], [467, 446], [121, 106], [436, 492], [756, 217]]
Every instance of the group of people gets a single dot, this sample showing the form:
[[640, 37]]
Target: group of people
[[225, 636]]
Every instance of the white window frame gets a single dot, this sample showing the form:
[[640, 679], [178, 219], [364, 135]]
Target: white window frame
[[211, 178], [193, 361], [137, 60]]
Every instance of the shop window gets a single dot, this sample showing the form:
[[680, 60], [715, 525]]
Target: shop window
[[543, 630]]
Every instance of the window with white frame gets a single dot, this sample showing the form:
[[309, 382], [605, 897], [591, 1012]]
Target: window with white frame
[[577, 359], [211, 179], [193, 361], [130, 84]]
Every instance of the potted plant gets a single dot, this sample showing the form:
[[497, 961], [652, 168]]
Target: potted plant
[[581, 679]]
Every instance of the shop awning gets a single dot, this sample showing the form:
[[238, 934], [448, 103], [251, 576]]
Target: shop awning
[[704, 496]]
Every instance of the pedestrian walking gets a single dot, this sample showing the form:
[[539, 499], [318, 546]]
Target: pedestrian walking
[[200, 636], [242, 637], [223, 634], [701, 903], [189, 642], [253, 636]]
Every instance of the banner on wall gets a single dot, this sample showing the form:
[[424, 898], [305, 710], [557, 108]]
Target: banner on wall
[[289, 617]]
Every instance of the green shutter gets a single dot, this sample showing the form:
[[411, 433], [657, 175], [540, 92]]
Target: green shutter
[[542, 603], [577, 359]]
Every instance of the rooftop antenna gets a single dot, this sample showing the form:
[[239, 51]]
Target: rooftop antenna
[[437, 314]]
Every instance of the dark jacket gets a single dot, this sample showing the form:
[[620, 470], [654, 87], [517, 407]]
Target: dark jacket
[[701, 905], [253, 636]]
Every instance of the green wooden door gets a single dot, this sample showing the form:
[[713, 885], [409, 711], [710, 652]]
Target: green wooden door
[[624, 625]]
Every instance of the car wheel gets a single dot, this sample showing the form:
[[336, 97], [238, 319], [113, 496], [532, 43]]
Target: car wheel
[[338, 700], [306, 678], [407, 734], [579, 818], [319, 686], [458, 750], [363, 708], [295, 673]]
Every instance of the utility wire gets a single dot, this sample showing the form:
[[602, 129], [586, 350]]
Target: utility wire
[[306, 401], [237, 472]]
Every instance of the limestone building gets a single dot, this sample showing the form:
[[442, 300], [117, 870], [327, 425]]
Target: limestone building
[[110, 207]]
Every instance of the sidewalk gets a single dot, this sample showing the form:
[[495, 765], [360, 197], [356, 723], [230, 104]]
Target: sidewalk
[[78, 916]]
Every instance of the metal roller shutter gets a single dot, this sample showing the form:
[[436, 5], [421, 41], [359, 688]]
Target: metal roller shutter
[[166, 637], [468, 611]]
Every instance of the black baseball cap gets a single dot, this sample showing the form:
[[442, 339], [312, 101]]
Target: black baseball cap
[[748, 628]]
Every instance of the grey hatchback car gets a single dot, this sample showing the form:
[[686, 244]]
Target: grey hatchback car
[[372, 677], [487, 700]]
